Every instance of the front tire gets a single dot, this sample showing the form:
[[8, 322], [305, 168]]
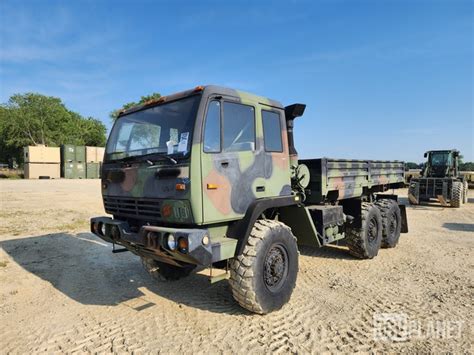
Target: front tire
[[264, 276], [365, 242], [165, 272], [456, 194]]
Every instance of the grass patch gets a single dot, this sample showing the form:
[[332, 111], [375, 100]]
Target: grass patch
[[3, 263], [76, 224], [11, 174]]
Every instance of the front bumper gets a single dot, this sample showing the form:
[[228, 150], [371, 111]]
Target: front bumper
[[151, 241]]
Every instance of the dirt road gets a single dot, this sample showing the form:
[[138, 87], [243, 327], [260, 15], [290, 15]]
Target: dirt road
[[61, 288]]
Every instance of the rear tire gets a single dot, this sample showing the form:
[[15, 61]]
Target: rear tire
[[456, 194], [165, 272], [364, 242], [466, 192], [391, 222], [264, 276]]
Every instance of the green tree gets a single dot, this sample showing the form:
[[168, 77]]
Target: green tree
[[467, 166], [31, 118], [114, 114]]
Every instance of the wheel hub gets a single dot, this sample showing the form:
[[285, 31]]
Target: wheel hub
[[393, 224], [372, 230], [276, 267]]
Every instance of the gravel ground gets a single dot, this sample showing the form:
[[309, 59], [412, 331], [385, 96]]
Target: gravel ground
[[62, 290]]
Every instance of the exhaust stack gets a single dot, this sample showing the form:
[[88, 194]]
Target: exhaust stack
[[291, 112]]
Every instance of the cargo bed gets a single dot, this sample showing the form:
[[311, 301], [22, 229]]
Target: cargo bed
[[339, 179]]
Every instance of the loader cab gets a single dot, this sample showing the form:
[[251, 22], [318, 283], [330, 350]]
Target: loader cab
[[441, 163]]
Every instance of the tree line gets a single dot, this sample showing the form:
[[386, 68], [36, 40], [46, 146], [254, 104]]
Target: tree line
[[463, 166], [32, 118]]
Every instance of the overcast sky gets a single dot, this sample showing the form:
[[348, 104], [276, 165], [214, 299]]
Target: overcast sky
[[381, 79]]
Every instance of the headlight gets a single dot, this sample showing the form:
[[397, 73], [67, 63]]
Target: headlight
[[171, 242], [102, 229]]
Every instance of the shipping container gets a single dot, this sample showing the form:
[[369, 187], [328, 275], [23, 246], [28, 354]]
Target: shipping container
[[41, 154], [71, 153], [92, 170], [46, 170], [67, 170], [68, 153], [80, 170], [91, 154], [94, 154], [80, 153], [100, 154], [73, 170]]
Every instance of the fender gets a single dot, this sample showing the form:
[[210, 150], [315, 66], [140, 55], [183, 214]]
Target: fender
[[241, 229]]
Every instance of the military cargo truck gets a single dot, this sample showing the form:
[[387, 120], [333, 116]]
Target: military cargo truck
[[440, 179], [210, 177]]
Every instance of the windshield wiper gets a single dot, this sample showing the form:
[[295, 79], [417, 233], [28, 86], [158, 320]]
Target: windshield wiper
[[144, 156], [162, 157]]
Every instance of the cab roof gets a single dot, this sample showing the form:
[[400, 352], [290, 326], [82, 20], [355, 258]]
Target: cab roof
[[207, 90]]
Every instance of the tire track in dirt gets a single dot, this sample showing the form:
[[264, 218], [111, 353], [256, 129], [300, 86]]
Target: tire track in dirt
[[66, 293]]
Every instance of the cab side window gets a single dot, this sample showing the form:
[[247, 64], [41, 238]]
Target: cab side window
[[272, 131], [212, 128], [239, 127]]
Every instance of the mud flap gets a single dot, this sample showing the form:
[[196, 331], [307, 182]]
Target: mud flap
[[403, 213]]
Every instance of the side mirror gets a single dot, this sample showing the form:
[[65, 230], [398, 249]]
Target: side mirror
[[425, 155]]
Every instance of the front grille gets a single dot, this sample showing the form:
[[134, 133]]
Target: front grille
[[133, 207]]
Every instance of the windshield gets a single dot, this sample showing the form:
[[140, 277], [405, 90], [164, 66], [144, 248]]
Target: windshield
[[440, 159], [165, 129]]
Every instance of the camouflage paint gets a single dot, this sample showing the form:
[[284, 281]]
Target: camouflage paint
[[338, 179], [249, 174]]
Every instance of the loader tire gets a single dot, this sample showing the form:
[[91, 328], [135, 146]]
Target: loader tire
[[466, 192], [165, 272], [411, 191], [457, 194], [391, 222], [262, 279], [365, 242]]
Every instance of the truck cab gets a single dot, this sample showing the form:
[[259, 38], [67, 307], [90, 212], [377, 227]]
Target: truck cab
[[179, 170]]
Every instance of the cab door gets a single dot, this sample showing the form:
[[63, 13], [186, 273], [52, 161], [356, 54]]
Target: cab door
[[275, 147], [232, 159]]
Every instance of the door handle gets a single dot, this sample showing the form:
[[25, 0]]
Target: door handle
[[225, 164], [260, 188]]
